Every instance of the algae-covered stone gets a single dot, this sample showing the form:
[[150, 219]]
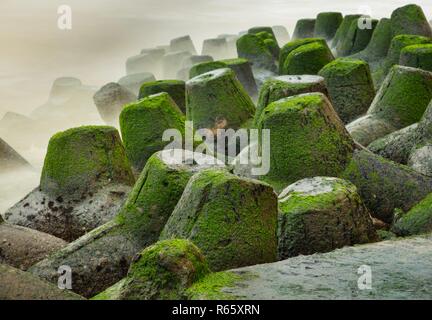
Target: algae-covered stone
[[172, 63], [133, 82], [291, 46], [350, 86], [357, 37], [342, 31], [286, 86], [110, 100], [401, 267], [102, 257], [231, 219], [162, 271], [175, 89], [304, 28], [400, 102], [216, 47], [84, 182], [410, 19], [22, 247], [417, 56], [319, 215], [254, 49], [257, 30], [327, 24], [19, 285], [217, 100], [183, 43], [205, 67], [307, 139], [418, 220], [384, 185], [10, 159], [307, 59], [143, 123]]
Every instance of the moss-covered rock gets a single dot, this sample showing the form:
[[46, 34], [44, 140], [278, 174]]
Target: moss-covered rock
[[319, 215], [307, 59], [216, 47], [291, 46], [307, 139], [241, 67], [304, 28], [10, 159], [22, 247], [110, 100], [286, 86], [143, 123], [254, 49], [102, 257], [260, 29], [410, 19], [417, 56], [350, 86], [175, 89], [418, 220], [327, 24], [183, 43], [162, 271], [384, 185], [232, 220], [342, 31], [133, 82], [84, 182], [356, 39], [400, 102], [217, 100], [19, 285]]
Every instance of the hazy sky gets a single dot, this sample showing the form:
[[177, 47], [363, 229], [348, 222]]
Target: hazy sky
[[105, 32]]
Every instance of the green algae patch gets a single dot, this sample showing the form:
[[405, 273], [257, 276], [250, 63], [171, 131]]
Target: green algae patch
[[143, 123], [307, 59], [231, 219], [416, 221], [307, 139], [342, 31], [175, 88], [81, 159], [327, 24], [356, 38], [417, 56], [162, 271], [410, 19]]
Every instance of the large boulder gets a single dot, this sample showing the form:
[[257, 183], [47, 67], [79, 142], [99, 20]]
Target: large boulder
[[10, 159], [217, 100], [350, 86], [399, 270], [133, 82], [16, 284], [282, 35], [410, 19], [22, 247], [172, 63], [304, 28], [280, 87], [400, 102], [183, 43], [175, 89], [307, 139], [327, 24], [143, 124], [232, 220], [102, 257], [344, 28], [417, 56], [110, 100], [162, 271], [216, 47], [357, 38], [319, 215], [254, 48], [85, 179]]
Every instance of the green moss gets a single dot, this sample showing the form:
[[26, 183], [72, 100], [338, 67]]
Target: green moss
[[273, 47], [261, 30], [307, 139], [416, 221], [386, 235], [356, 39], [212, 286], [291, 46], [175, 88], [162, 271], [231, 219], [81, 159], [342, 31], [417, 56], [410, 19], [143, 123], [307, 59], [327, 24], [254, 49]]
